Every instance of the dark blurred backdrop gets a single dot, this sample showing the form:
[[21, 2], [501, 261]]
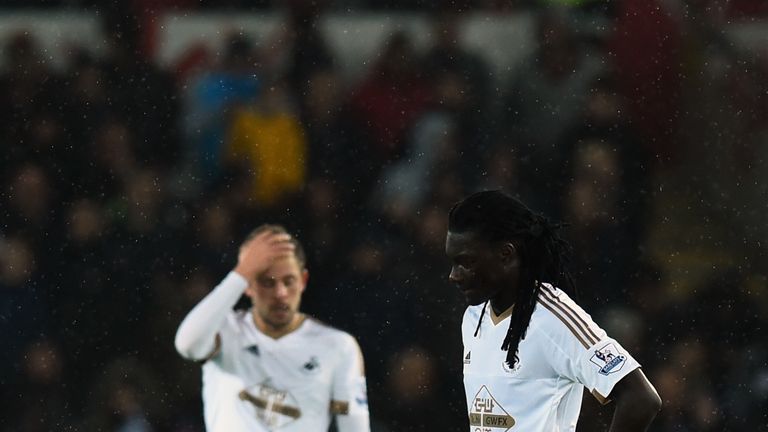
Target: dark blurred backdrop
[[142, 139]]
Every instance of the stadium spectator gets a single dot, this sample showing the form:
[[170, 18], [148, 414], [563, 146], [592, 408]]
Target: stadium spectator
[[208, 100], [123, 398], [389, 100], [266, 143], [545, 99], [94, 244], [44, 404]]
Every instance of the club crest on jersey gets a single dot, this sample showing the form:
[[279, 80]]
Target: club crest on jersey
[[254, 349], [609, 359], [506, 367], [273, 407], [485, 413], [312, 366], [362, 393]]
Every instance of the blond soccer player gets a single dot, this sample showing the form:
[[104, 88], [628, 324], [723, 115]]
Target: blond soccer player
[[272, 367]]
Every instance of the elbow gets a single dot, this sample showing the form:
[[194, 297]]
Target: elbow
[[643, 396], [196, 349], [182, 346], [649, 404], [642, 404], [654, 402], [651, 398], [638, 402]]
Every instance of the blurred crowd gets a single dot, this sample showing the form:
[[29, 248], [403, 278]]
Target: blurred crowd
[[125, 190]]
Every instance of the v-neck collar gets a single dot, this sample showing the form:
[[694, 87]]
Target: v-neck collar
[[257, 336], [496, 319]]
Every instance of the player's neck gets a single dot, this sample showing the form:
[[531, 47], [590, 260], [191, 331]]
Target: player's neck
[[276, 332], [502, 302]]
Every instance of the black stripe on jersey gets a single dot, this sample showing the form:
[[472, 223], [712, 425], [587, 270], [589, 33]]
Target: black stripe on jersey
[[544, 303], [571, 312], [339, 407]]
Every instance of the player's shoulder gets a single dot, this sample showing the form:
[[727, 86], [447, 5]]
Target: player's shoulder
[[474, 311], [237, 326], [320, 334], [471, 317], [238, 319], [553, 303], [563, 320], [321, 330]]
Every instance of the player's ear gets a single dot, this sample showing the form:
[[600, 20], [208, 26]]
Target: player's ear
[[509, 255], [305, 276], [249, 292]]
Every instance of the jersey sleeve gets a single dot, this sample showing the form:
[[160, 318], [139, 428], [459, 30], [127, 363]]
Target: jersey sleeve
[[581, 350], [349, 399], [198, 335], [604, 365]]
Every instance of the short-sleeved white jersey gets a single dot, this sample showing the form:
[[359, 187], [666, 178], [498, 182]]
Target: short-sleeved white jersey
[[563, 352], [256, 383]]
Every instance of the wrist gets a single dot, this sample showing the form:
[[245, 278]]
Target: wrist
[[246, 274], [235, 278]]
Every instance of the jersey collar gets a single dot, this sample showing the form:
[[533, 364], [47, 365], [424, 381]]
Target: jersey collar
[[496, 319], [255, 336]]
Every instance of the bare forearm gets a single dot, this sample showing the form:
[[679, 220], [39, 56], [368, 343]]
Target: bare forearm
[[631, 416], [637, 404]]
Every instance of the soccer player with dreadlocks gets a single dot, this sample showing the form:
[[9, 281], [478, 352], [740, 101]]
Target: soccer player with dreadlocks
[[529, 349]]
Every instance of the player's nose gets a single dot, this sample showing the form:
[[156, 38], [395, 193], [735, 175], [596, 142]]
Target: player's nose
[[455, 276], [281, 291]]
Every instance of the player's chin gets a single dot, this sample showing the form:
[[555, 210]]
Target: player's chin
[[281, 316], [474, 298]]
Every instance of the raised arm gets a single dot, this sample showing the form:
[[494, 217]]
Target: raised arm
[[637, 403], [196, 336]]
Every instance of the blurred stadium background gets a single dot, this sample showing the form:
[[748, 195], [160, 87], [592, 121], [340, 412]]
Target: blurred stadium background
[[142, 139]]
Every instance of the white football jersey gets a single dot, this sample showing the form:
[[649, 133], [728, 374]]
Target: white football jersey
[[563, 352], [256, 383]]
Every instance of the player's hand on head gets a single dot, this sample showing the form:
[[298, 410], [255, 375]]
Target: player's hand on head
[[259, 252]]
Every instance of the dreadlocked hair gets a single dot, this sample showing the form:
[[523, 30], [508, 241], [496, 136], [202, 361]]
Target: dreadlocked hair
[[497, 217]]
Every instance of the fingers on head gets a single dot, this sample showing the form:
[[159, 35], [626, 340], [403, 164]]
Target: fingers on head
[[280, 238], [269, 237], [285, 248]]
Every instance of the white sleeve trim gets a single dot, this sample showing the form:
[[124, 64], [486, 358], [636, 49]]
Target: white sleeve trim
[[196, 336], [357, 421], [350, 390], [611, 370]]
